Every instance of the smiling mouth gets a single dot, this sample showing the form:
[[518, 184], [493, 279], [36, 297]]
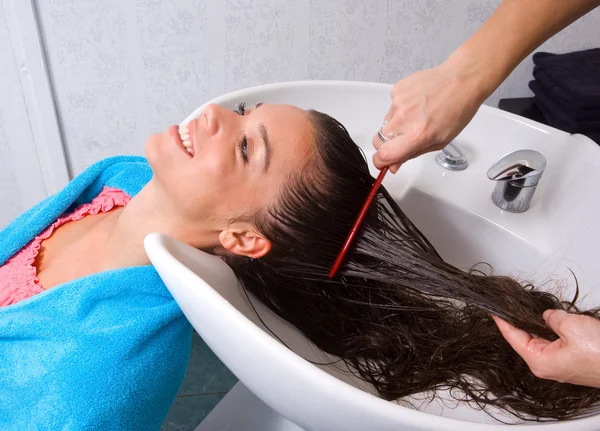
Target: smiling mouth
[[174, 132], [186, 139]]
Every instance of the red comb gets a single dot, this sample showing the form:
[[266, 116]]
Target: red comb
[[357, 223]]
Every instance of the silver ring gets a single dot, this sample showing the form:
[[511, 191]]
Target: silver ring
[[384, 138], [381, 137]]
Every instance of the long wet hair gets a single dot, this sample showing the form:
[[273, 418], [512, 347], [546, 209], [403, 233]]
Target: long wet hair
[[397, 314]]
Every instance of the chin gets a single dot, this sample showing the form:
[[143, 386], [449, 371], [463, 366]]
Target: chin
[[152, 150], [157, 159], [162, 161]]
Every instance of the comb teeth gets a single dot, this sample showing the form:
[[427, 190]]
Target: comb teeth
[[357, 223]]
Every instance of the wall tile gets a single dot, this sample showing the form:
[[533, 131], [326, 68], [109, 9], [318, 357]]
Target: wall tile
[[148, 63], [10, 206], [259, 42], [21, 178], [346, 39]]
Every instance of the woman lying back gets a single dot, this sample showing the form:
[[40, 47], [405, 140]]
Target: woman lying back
[[274, 191]]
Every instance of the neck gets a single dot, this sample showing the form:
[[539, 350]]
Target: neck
[[149, 212]]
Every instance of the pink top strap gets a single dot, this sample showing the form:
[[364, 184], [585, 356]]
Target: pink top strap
[[18, 275]]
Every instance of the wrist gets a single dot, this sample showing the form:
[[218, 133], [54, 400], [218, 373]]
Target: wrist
[[480, 75]]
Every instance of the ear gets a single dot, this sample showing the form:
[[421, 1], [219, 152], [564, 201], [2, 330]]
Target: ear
[[244, 240]]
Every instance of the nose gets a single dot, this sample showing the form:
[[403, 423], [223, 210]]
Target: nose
[[216, 118]]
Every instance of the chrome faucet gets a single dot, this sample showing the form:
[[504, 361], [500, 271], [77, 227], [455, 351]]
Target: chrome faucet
[[517, 175]]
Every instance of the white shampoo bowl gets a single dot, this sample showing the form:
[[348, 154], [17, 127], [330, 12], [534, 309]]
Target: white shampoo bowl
[[279, 388]]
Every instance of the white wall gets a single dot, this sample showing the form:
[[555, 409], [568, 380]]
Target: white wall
[[122, 69], [21, 178]]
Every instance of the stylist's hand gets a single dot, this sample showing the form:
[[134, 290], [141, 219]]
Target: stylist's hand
[[429, 109], [573, 358]]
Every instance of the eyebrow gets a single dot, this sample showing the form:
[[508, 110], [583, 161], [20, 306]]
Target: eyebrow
[[265, 137], [267, 143]]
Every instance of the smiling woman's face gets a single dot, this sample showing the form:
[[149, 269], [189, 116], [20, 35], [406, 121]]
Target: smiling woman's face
[[238, 164]]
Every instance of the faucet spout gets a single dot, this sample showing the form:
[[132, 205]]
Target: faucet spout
[[452, 158], [517, 176]]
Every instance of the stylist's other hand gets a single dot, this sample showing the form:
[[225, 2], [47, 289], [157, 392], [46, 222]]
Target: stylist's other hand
[[573, 358], [429, 109]]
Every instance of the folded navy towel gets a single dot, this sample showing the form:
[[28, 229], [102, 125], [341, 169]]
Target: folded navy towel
[[106, 352], [575, 75], [558, 115], [563, 100]]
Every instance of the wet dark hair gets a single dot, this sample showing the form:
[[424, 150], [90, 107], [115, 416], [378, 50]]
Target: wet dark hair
[[397, 314]]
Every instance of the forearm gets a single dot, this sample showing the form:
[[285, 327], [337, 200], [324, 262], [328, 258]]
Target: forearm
[[513, 31]]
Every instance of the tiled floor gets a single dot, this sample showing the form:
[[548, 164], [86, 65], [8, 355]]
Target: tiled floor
[[206, 381]]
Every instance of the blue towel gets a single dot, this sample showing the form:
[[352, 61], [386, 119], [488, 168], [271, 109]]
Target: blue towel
[[103, 352]]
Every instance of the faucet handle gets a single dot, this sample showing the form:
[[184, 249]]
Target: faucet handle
[[523, 167], [517, 175]]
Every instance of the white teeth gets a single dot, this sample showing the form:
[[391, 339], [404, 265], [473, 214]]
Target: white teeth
[[184, 133]]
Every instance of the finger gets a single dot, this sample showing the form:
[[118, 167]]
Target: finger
[[389, 131], [528, 347], [397, 150], [394, 168], [541, 356], [386, 130], [390, 114], [420, 153], [378, 163], [554, 319], [377, 141]]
